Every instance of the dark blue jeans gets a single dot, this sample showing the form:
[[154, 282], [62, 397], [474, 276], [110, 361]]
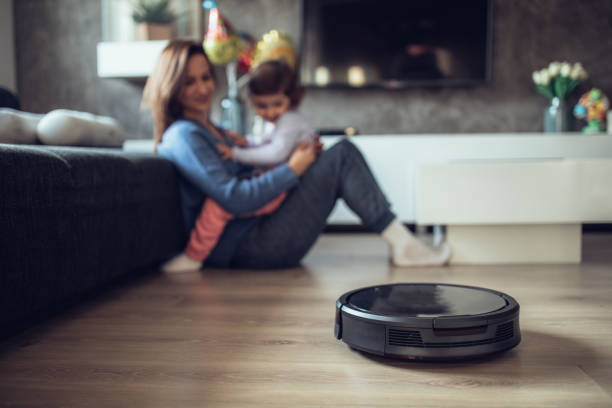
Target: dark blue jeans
[[282, 238]]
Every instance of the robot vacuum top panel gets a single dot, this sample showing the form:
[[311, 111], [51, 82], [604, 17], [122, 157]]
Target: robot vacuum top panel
[[427, 304]]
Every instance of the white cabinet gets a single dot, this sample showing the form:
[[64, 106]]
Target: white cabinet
[[395, 159]]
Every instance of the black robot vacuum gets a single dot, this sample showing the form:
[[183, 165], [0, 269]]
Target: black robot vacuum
[[427, 321]]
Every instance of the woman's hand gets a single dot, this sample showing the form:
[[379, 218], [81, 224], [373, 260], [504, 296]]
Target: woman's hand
[[225, 150], [304, 155], [238, 139]]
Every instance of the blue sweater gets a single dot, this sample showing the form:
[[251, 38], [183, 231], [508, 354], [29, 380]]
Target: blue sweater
[[192, 148]]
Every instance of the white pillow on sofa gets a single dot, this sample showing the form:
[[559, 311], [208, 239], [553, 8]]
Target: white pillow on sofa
[[74, 128], [18, 127]]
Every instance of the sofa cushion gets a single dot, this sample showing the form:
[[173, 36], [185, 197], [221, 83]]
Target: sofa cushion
[[65, 127]]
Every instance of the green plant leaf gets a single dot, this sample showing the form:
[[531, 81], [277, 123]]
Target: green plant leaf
[[560, 87], [545, 90], [153, 11], [572, 85]]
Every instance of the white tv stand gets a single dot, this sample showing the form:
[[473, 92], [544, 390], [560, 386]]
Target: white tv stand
[[547, 183]]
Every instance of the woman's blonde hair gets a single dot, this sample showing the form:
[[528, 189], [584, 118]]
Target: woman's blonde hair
[[163, 86]]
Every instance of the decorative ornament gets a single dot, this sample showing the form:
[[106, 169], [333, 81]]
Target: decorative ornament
[[275, 45], [245, 58], [592, 106], [221, 43]]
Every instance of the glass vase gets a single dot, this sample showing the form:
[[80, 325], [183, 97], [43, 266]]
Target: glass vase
[[233, 115], [556, 116], [232, 108]]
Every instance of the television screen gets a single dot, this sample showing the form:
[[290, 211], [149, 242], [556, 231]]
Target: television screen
[[395, 43]]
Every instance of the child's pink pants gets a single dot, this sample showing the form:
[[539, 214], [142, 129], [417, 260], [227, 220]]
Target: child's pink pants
[[212, 221]]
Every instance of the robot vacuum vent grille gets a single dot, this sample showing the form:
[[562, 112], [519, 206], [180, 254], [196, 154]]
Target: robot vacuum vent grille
[[412, 338], [504, 331], [405, 338]]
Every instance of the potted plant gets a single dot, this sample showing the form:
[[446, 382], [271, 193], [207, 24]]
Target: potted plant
[[153, 19]]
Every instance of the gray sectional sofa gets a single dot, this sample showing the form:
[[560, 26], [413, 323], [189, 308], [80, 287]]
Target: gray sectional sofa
[[73, 220]]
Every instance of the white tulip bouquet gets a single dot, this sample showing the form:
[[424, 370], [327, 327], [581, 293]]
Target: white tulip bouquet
[[559, 79]]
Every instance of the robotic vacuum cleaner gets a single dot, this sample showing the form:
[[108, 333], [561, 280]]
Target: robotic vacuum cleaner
[[427, 321]]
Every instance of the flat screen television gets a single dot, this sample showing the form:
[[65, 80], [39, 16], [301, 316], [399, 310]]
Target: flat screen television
[[395, 43]]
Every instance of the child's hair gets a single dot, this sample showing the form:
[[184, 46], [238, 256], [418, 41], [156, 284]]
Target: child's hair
[[275, 76]]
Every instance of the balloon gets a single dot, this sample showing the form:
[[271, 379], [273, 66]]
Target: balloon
[[221, 43], [275, 45]]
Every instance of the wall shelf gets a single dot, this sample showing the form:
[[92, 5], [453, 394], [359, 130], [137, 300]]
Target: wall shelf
[[128, 59]]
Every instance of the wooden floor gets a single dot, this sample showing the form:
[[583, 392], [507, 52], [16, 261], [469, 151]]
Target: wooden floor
[[224, 338]]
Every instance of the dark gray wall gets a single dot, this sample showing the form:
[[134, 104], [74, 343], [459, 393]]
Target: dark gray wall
[[56, 67]]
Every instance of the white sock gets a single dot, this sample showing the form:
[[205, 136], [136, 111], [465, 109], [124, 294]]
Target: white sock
[[406, 250], [181, 263]]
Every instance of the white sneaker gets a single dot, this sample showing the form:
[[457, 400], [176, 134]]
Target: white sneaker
[[181, 263], [419, 254]]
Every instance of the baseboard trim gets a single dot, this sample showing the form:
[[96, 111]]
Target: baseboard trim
[[596, 228], [358, 228]]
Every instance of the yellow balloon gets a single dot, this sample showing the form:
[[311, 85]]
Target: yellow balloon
[[275, 45]]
